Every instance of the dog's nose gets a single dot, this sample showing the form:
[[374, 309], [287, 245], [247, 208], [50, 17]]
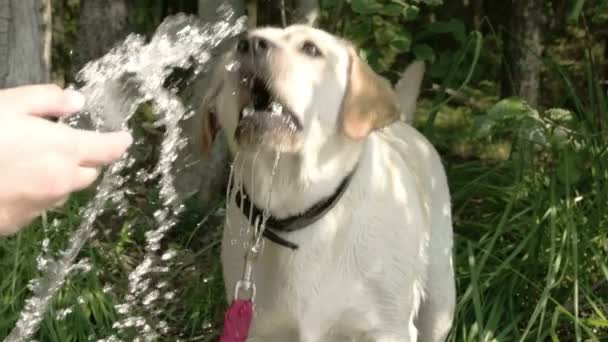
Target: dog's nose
[[243, 46], [254, 45]]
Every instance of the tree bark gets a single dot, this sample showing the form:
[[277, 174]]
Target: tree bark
[[278, 13], [523, 47], [47, 36], [605, 78], [24, 42], [102, 25], [307, 11]]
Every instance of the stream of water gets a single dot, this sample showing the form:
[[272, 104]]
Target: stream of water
[[115, 86]]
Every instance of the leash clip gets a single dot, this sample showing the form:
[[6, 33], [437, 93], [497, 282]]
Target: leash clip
[[246, 284]]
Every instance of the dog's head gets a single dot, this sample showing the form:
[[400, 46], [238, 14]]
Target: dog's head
[[286, 89]]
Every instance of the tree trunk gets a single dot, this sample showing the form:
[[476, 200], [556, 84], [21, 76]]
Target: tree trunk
[[286, 12], [102, 25], [24, 42], [47, 36], [523, 39], [307, 11], [605, 78]]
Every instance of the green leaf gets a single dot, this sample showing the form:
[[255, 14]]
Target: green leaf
[[384, 36], [533, 132], [378, 21], [454, 27], [391, 10], [433, 2], [510, 108], [577, 9], [360, 30], [365, 6], [442, 65], [424, 52], [410, 12], [597, 322], [483, 126], [373, 59], [401, 43], [328, 4], [559, 115]]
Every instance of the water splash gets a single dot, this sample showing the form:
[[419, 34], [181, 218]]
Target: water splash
[[193, 41], [236, 183], [115, 86], [266, 212], [56, 271], [276, 108]]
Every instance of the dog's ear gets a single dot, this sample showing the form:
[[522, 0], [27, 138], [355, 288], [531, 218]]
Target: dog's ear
[[369, 101], [408, 89]]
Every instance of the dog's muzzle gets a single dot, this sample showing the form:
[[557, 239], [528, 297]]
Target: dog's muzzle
[[264, 119]]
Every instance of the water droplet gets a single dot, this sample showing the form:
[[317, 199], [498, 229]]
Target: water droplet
[[152, 296], [168, 255], [62, 314], [276, 108], [248, 111]]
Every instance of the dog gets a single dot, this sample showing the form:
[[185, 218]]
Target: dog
[[358, 240]]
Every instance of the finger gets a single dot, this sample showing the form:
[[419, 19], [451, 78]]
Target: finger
[[96, 149], [14, 217], [84, 177], [41, 100]]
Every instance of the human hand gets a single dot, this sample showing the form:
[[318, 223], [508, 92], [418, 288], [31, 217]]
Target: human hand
[[42, 162]]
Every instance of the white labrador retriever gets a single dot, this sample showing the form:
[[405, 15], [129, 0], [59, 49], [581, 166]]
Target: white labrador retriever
[[359, 240]]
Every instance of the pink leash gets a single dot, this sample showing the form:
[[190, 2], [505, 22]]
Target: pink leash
[[237, 321]]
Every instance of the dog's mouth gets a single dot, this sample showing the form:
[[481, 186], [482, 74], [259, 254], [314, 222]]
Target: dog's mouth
[[257, 98], [265, 120]]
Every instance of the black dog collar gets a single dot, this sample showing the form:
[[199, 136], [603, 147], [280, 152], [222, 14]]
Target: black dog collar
[[291, 223]]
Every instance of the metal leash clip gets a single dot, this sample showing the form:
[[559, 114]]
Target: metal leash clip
[[246, 284]]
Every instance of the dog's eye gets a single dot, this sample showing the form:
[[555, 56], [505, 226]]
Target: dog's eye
[[311, 49]]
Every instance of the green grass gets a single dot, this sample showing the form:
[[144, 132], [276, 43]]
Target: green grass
[[532, 229]]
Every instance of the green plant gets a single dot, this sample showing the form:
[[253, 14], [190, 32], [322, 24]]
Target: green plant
[[391, 31], [533, 234]]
